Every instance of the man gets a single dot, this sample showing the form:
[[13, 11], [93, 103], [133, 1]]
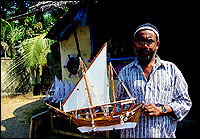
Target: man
[[157, 83]]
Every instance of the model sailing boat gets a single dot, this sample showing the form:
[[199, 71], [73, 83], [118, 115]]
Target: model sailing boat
[[88, 104]]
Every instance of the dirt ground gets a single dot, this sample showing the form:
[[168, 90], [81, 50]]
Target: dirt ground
[[16, 113]]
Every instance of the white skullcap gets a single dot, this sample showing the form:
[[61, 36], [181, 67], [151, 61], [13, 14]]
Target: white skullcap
[[147, 26]]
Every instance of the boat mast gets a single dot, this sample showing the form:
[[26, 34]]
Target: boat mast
[[113, 89], [86, 84]]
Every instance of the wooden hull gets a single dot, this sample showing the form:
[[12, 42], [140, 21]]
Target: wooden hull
[[118, 120], [125, 119]]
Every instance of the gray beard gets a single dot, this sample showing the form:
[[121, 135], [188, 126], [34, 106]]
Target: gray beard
[[146, 60]]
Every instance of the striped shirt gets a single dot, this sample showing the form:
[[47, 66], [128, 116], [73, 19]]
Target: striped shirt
[[165, 86]]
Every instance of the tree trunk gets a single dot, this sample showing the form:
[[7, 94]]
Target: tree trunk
[[36, 82], [36, 89]]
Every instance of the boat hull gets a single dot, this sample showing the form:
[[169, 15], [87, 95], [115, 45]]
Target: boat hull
[[125, 119], [113, 121], [84, 129]]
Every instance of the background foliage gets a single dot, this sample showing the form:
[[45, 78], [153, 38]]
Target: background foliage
[[24, 41]]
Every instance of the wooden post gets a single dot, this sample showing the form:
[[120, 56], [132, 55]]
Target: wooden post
[[31, 128], [113, 89], [77, 44], [51, 119], [107, 134]]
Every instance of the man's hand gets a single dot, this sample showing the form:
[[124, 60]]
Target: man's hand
[[151, 110]]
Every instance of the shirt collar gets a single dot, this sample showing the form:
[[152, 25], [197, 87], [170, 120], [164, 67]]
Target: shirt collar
[[159, 62]]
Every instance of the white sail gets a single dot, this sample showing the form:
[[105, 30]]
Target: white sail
[[56, 92], [56, 82], [67, 89], [71, 85], [49, 94], [61, 92], [97, 80]]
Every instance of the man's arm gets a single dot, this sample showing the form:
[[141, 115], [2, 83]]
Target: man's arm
[[180, 104], [153, 110]]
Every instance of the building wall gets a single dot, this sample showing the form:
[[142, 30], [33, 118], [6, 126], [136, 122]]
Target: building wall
[[69, 47], [5, 62], [16, 87]]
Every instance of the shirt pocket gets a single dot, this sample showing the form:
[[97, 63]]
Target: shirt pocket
[[165, 94]]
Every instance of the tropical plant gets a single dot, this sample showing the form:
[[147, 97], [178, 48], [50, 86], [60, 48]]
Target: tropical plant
[[33, 53], [12, 34], [10, 37], [28, 36], [32, 49]]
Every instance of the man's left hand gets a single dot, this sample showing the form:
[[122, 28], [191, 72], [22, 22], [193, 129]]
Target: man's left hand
[[151, 110]]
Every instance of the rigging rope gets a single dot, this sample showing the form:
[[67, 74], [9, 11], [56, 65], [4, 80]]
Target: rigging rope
[[129, 94]]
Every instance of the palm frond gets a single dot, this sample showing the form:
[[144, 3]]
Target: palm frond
[[35, 51], [33, 54]]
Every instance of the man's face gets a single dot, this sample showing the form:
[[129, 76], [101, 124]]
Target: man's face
[[146, 46]]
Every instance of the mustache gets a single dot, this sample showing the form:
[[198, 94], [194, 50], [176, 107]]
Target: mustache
[[145, 50]]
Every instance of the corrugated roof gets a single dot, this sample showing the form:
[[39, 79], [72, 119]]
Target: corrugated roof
[[44, 6], [65, 24], [49, 5]]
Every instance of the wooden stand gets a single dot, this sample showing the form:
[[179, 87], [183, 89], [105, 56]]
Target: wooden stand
[[43, 123], [40, 125], [61, 132]]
